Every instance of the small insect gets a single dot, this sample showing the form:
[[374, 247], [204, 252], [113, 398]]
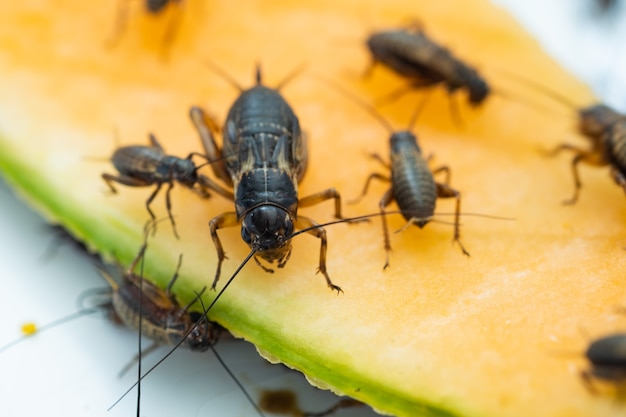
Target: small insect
[[136, 301], [142, 166], [413, 186], [156, 314], [153, 7], [607, 357], [607, 148], [413, 55], [269, 159], [606, 130]]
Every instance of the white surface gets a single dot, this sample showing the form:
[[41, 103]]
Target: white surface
[[72, 370]]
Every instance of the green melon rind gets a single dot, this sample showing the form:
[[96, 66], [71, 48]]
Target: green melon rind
[[112, 238]]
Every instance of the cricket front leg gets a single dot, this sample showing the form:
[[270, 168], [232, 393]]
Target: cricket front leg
[[446, 170], [220, 222], [168, 205], [320, 233], [124, 180], [206, 125], [581, 155], [205, 183], [588, 158], [371, 177], [327, 195], [445, 191], [619, 178], [151, 213], [384, 202], [321, 197]]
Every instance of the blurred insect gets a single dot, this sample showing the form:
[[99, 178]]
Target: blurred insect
[[269, 160], [605, 7], [606, 130], [608, 148], [61, 237], [413, 55], [153, 7], [607, 356], [142, 166], [413, 186]]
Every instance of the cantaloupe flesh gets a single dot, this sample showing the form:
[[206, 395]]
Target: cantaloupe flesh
[[435, 334]]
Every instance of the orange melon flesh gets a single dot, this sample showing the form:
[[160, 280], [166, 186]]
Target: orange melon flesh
[[435, 334]]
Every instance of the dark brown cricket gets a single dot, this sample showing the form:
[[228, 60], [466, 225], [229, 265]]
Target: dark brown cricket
[[267, 159], [424, 63]]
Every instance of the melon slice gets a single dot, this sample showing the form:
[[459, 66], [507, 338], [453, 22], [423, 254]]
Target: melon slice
[[435, 334]]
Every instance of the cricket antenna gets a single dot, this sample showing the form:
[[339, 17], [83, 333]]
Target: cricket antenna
[[392, 212], [140, 324], [223, 74], [372, 111], [208, 160], [559, 98], [258, 75], [417, 112], [32, 329], [360, 102], [239, 268], [293, 74], [141, 257], [239, 384]]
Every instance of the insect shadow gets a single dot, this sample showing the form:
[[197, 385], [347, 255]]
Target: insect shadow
[[61, 237], [144, 166], [267, 159], [411, 54], [413, 186], [284, 401], [603, 127]]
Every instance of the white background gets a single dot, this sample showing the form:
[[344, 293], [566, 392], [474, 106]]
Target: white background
[[72, 370]]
